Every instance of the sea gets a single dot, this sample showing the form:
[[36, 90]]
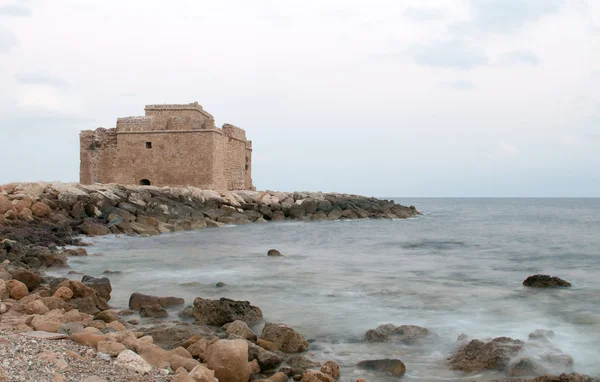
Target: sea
[[456, 269]]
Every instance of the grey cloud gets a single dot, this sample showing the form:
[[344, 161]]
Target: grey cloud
[[423, 14], [7, 40], [459, 85], [457, 54], [14, 10], [504, 16], [41, 79], [519, 57]]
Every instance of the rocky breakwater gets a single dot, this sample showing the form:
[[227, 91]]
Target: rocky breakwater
[[55, 213]]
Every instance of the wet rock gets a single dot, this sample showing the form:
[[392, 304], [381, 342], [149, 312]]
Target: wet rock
[[541, 334], [155, 311], [274, 253], [267, 360], [545, 281], [332, 369], [107, 316], [301, 363], [478, 355], [137, 300], [394, 367], [241, 329], [100, 284], [229, 360], [90, 228], [316, 376], [220, 284], [170, 336], [222, 311], [288, 339], [408, 334]]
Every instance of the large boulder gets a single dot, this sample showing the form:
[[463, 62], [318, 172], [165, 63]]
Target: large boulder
[[223, 311], [16, 289], [137, 300], [100, 284], [478, 355], [27, 277], [408, 334], [393, 367], [289, 340], [130, 360], [40, 210], [545, 281], [229, 360]]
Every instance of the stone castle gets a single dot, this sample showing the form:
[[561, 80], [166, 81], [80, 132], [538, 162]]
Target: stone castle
[[172, 145]]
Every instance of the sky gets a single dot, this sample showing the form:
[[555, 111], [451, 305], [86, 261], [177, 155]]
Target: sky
[[415, 98]]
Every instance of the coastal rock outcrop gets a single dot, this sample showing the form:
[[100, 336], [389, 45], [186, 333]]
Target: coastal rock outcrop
[[223, 311], [514, 357], [545, 281]]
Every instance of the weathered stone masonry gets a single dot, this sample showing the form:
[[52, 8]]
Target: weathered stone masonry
[[172, 145]]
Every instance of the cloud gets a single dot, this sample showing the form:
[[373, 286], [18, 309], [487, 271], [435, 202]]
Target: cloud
[[519, 57], [509, 149], [47, 98], [504, 16], [7, 40], [459, 85], [14, 10], [423, 14], [41, 79], [594, 30], [457, 54]]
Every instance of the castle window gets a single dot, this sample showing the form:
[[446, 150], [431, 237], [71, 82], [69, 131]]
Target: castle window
[[144, 182], [148, 145]]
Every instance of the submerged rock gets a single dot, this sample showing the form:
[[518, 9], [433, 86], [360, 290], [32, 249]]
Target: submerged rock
[[545, 281], [408, 334], [274, 253], [478, 355], [394, 367]]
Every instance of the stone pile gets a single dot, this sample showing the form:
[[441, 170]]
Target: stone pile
[[53, 213]]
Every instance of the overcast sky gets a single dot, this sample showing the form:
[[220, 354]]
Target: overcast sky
[[385, 98]]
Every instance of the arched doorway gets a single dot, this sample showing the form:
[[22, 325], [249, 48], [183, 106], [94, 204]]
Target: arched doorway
[[144, 182]]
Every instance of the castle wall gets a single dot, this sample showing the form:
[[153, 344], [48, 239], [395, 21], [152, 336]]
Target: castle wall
[[96, 150], [173, 145], [175, 159]]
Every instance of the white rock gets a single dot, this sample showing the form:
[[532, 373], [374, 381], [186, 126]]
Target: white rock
[[130, 360]]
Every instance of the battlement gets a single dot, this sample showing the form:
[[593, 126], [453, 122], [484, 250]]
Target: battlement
[[195, 106]]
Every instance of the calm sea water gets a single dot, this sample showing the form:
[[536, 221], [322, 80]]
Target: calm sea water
[[456, 269]]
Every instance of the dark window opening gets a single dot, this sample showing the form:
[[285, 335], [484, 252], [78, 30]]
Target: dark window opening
[[148, 145], [246, 166], [144, 182]]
